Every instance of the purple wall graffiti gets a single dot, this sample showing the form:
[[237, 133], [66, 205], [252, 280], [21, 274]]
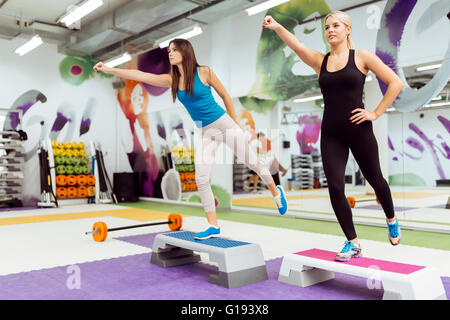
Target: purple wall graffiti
[[136, 107], [392, 25], [308, 133], [157, 62], [422, 143]]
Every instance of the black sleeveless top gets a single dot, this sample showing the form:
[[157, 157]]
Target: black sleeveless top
[[342, 92]]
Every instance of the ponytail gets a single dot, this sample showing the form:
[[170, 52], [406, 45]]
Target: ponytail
[[350, 42]]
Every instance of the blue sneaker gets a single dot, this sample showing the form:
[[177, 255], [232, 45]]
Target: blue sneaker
[[212, 231], [349, 251], [281, 201], [394, 231]]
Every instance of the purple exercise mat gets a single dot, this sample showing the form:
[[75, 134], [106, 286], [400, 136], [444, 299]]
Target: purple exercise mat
[[134, 278]]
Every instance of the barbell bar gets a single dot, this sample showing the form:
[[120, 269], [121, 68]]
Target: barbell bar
[[100, 230], [352, 201]]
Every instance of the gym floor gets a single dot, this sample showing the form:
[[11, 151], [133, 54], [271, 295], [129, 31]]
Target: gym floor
[[46, 254]]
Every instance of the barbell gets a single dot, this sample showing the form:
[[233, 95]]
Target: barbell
[[100, 230], [352, 201]]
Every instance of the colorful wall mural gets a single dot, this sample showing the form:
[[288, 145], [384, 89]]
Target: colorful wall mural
[[135, 103], [419, 151], [308, 133], [389, 37], [277, 81], [275, 78], [76, 70], [66, 100]]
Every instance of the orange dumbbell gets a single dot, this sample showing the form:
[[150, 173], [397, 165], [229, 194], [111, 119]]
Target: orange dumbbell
[[61, 180], [71, 180], [82, 180], [82, 192], [61, 192], [91, 191], [91, 180], [72, 192]]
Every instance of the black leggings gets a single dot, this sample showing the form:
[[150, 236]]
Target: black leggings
[[334, 157], [276, 179]]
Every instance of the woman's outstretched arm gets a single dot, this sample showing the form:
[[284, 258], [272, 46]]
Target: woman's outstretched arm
[[158, 80]]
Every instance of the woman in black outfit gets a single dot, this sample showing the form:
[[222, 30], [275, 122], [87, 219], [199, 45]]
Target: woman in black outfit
[[346, 124]]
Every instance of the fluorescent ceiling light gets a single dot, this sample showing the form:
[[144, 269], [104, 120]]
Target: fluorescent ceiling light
[[183, 34], [431, 105], [80, 11], [433, 66], [308, 99], [264, 6], [118, 60], [31, 44], [368, 78]]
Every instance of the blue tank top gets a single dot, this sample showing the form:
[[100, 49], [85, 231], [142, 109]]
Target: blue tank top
[[202, 107]]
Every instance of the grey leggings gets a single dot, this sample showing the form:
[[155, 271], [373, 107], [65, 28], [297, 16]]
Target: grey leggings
[[207, 141]]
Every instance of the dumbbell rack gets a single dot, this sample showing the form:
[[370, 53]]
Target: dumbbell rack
[[241, 173], [73, 199], [183, 158], [319, 173], [12, 158], [302, 171]]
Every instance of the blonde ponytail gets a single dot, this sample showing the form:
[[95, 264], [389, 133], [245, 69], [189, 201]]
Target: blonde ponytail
[[350, 42]]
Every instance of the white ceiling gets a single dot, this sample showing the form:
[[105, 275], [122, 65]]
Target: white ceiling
[[134, 24], [50, 10], [104, 32]]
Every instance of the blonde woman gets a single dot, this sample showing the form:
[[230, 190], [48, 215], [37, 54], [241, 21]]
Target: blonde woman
[[346, 124]]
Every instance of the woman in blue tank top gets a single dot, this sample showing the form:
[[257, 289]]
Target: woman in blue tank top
[[346, 124], [192, 83]]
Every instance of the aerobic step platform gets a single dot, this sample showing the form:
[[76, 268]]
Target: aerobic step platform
[[399, 280], [239, 263]]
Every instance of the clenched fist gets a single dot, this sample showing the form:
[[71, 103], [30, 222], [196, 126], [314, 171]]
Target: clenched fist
[[100, 67], [270, 23]]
